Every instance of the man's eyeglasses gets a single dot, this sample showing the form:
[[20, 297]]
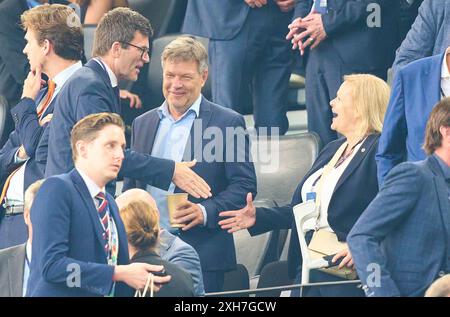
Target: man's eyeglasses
[[144, 50]]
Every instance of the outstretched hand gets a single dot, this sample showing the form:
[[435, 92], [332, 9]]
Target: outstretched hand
[[186, 179], [239, 219]]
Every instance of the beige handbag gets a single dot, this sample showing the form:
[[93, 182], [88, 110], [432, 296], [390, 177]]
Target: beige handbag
[[325, 243]]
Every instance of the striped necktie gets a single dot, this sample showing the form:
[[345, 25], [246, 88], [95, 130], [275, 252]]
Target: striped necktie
[[103, 214]]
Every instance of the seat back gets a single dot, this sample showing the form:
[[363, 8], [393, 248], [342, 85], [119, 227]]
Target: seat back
[[281, 164], [236, 280], [165, 16], [88, 34], [301, 215], [155, 73], [272, 275]]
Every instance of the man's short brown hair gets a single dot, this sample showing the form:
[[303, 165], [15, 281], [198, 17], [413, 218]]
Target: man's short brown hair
[[439, 117], [119, 25], [58, 24], [87, 129]]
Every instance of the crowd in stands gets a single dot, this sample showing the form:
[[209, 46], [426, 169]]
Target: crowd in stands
[[376, 200]]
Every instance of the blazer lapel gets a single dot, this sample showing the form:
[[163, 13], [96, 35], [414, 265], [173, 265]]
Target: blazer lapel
[[89, 204], [442, 194], [357, 159], [16, 269], [194, 146], [432, 76], [150, 131], [95, 66]]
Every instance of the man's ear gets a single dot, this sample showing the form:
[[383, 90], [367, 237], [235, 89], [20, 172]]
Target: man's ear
[[204, 76], [81, 148], [47, 46], [116, 48], [445, 132]]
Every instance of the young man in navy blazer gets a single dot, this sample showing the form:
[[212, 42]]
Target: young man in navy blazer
[[121, 47], [79, 241], [186, 127], [53, 48], [400, 244]]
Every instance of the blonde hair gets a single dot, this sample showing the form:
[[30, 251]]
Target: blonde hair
[[370, 97], [185, 49], [141, 222], [30, 193]]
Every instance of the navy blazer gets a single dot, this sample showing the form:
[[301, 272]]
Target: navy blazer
[[354, 191], [86, 92], [352, 40], [67, 240], [230, 182], [404, 233], [415, 91], [32, 136]]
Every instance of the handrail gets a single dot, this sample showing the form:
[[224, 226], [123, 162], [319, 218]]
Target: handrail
[[280, 288]]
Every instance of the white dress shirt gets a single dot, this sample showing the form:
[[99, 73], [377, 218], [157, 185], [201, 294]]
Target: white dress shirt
[[328, 187]]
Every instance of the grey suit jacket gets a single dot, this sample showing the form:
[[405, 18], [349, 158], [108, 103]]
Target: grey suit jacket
[[12, 262], [176, 251], [429, 35]]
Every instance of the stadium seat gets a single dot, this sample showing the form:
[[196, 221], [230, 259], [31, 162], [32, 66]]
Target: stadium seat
[[274, 274], [280, 166], [3, 114], [236, 280], [88, 32], [166, 16]]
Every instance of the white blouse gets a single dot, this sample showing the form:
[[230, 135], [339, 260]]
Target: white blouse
[[330, 182]]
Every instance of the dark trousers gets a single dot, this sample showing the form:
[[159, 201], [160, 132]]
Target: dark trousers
[[213, 281], [13, 231], [252, 70], [324, 75]]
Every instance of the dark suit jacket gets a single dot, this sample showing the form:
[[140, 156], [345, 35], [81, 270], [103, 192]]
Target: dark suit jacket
[[67, 239], [180, 285], [217, 20], [360, 47], [406, 117], [354, 191], [230, 182], [89, 91], [12, 262], [13, 63], [405, 231]]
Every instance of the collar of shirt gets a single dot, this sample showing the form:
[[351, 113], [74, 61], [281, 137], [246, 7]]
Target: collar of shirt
[[28, 251], [163, 110], [445, 73], [63, 76], [91, 186], [112, 76], [444, 167]]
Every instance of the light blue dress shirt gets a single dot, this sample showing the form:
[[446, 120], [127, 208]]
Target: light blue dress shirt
[[26, 269], [170, 143]]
